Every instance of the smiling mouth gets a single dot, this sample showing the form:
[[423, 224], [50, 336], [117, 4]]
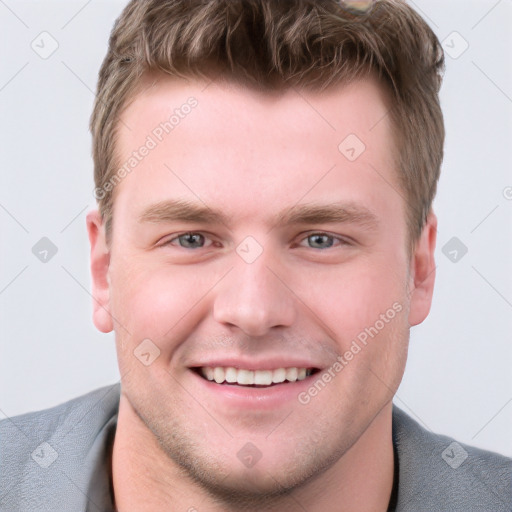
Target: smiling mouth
[[253, 378]]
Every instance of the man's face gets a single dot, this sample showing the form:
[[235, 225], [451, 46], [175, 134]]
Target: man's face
[[259, 288]]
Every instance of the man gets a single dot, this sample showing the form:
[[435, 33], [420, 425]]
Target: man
[[264, 241]]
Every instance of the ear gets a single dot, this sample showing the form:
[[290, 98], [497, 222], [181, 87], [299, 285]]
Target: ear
[[100, 261], [422, 272]]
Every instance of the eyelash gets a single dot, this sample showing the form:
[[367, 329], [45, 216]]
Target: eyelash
[[343, 241]]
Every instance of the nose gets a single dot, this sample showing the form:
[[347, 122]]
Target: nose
[[254, 298]]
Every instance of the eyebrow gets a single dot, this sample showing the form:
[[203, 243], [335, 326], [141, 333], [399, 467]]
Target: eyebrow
[[176, 210]]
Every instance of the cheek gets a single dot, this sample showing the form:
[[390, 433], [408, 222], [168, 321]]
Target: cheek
[[158, 301], [353, 296], [154, 300]]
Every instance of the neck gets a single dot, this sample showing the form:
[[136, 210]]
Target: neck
[[145, 478]]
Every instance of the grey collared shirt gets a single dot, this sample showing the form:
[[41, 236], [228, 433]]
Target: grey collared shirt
[[59, 459]]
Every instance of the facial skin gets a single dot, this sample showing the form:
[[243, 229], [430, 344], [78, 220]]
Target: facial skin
[[180, 440]]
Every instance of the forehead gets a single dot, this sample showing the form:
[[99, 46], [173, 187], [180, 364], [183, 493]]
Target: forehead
[[218, 139], [338, 108]]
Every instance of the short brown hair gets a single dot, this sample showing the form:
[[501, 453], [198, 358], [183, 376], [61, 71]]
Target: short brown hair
[[271, 44]]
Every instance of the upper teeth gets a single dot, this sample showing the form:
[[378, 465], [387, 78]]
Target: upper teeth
[[246, 377]]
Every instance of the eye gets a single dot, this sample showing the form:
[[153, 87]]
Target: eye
[[324, 240], [195, 240], [189, 240]]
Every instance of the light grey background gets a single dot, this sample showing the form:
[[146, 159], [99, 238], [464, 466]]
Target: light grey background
[[458, 379]]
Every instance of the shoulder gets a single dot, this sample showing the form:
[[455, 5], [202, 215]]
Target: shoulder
[[59, 420], [436, 473], [45, 452], [61, 413]]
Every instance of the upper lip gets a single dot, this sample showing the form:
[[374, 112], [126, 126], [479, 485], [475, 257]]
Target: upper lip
[[264, 364]]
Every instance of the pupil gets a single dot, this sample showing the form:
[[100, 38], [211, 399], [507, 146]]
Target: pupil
[[318, 239], [191, 238]]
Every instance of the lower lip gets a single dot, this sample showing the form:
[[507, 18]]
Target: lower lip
[[252, 398]]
